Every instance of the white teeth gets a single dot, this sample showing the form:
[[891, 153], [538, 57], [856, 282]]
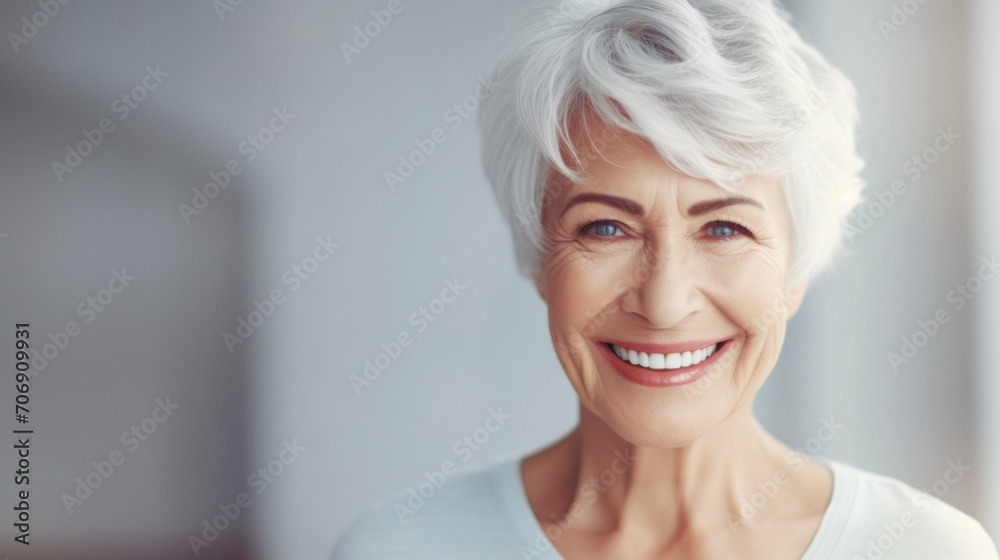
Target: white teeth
[[653, 360], [686, 359], [672, 361], [657, 361]]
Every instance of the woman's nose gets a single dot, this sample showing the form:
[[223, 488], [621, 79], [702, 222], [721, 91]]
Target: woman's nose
[[665, 289]]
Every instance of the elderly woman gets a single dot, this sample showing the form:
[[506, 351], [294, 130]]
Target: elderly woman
[[675, 172]]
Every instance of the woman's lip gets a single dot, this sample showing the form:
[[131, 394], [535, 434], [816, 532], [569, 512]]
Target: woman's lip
[[663, 377], [677, 348]]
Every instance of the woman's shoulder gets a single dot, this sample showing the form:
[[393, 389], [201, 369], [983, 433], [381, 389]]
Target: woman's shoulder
[[446, 515], [887, 518]]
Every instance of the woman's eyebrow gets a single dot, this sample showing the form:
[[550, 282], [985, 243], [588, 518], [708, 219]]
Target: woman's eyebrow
[[709, 205], [636, 209], [622, 204]]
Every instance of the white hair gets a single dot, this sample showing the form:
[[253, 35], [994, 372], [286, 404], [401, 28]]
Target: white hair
[[722, 88]]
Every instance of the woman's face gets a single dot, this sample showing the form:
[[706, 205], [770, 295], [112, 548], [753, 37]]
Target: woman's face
[[646, 258]]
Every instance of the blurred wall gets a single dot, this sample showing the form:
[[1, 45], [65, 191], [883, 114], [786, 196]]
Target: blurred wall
[[321, 178], [909, 252], [125, 305]]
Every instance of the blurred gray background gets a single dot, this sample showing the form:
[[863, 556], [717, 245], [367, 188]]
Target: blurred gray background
[[223, 72]]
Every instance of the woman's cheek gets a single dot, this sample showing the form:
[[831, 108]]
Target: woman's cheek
[[583, 289], [569, 293], [748, 287]]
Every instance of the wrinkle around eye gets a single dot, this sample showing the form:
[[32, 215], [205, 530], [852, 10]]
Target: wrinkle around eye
[[560, 258]]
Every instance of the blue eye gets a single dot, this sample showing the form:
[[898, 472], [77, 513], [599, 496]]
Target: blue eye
[[601, 229], [725, 230]]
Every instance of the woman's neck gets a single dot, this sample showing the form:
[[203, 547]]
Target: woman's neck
[[592, 481]]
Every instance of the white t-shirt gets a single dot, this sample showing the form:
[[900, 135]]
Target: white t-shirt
[[485, 515]]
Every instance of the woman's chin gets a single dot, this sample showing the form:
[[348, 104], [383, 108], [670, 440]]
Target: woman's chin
[[660, 423]]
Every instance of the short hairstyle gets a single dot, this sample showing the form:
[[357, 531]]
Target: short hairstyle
[[722, 88]]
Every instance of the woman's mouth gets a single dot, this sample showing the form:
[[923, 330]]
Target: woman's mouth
[[663, 369], [653, 360]]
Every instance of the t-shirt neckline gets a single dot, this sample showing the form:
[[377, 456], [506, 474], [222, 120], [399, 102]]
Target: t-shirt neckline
[[823, 543]]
